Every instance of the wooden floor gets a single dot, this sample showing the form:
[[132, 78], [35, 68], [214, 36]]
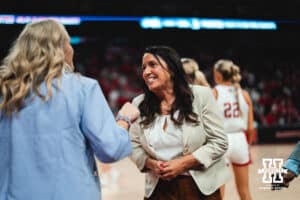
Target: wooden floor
[[128, 182]]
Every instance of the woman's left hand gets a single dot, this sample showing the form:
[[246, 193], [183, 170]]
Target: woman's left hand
[[172, 168], [178, 166]]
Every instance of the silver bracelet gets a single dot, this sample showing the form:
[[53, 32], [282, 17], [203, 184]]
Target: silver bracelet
[[124, 118]]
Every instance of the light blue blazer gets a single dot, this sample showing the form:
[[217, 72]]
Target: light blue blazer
[[47, 149]]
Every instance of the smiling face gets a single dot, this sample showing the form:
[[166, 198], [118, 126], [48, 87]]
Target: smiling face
[[155, 73]]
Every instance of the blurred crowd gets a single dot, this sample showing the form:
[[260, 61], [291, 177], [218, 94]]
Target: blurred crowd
[[273, 86], [275, 93]]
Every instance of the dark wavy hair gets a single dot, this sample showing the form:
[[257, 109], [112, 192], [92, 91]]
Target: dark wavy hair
[[183, 94]]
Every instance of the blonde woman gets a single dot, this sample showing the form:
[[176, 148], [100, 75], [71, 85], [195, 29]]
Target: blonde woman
[[237, 109], [53, 122], [192, 72]]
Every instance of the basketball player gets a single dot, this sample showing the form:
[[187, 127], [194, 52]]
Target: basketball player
[[237, 109], [193, 73]]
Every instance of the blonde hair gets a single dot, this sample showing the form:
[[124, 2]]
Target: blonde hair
[[36, 56], [192, 72], [230, 72]]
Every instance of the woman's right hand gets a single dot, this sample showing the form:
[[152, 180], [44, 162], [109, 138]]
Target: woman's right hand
[[155, 166], [130, 111]]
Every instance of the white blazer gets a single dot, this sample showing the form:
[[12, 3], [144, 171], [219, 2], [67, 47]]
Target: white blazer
[[207, 142]]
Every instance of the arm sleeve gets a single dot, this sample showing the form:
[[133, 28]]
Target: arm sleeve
[[217, 142], [293, 162], [295, 155], [292, 165], [139, 155], [109, 141]]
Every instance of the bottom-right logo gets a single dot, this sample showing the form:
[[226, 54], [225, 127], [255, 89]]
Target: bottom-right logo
[[272, 171]]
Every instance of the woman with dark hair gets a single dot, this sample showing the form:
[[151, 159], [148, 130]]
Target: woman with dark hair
[[178, 140]]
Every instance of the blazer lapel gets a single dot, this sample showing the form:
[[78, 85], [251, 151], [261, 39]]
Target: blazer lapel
[[145, 141]]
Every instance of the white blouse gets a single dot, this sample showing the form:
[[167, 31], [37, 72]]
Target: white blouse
[[166, 143]]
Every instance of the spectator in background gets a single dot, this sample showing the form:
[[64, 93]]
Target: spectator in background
[[271, 117], [53, 121]]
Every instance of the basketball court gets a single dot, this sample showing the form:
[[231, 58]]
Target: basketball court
[[129, 184]]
